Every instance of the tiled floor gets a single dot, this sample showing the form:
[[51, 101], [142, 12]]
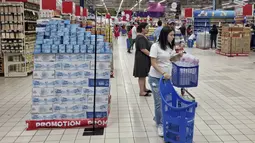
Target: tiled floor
[[226, 112]]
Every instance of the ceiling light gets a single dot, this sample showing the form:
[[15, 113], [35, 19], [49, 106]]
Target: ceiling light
[[119, 7], [136, 5], [162, 1]]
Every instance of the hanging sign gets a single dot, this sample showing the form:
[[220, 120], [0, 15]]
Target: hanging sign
[[214, 14], [239, 11], [173, 10]]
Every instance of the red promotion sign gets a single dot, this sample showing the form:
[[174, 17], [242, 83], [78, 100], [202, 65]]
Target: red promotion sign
[[188, 12], [37, 124], [49, 4]]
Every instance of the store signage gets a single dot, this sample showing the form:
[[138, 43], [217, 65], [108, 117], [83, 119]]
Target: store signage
[[214, 14], [49, 4], [33, 124], [155, 7], [239, 11], [173, 8], [68, 7], [174, 5]]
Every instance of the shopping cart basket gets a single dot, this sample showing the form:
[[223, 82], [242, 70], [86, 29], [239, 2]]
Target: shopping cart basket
[[185, 77], [178, 114], [151, 38]]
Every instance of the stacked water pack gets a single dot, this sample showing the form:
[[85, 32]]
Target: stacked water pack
[[63, 78]]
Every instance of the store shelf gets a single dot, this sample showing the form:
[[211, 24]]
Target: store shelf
[[19, 41], [30, 21]]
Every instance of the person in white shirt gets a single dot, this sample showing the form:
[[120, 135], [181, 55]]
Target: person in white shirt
[[134, 34], [162, 53]]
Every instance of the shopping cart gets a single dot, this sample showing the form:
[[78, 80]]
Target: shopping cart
[[123, 32], [185, 77], [178, 113]]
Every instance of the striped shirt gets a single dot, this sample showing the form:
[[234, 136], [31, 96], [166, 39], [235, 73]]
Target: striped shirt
[[178, 37]]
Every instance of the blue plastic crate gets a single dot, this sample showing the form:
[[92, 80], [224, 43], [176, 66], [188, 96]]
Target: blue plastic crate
[[151, 38], [190, 43], [185, 76], [178, 115]]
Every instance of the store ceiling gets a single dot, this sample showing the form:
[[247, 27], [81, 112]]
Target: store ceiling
[[127, 4]]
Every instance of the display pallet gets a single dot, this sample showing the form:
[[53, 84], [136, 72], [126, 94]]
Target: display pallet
[[233, 54], [203, 48]]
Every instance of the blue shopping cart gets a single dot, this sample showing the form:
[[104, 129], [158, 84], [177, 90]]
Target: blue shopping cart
[[151, 38], [185, 77], [178, 113]]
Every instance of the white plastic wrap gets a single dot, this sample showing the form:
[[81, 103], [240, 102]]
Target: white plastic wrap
[[188, 60], [203, 40]]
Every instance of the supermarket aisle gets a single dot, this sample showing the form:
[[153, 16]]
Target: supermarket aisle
[[226, 112]]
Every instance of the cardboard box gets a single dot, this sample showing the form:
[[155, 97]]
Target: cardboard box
[[236, 29], [247, 29]]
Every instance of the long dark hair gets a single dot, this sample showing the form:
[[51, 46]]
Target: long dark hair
[[163, 38]]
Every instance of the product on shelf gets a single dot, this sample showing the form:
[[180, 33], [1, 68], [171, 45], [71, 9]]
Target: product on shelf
[[63, 77], [203, 40], [17, 27], [203, 20]]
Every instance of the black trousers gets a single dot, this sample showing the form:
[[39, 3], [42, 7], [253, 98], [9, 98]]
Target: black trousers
[[213, 40]]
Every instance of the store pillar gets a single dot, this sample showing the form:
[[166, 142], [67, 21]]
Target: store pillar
[[217, 4]]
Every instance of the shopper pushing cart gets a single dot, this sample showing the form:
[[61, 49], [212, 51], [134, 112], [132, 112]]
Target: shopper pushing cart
[[162, 54]]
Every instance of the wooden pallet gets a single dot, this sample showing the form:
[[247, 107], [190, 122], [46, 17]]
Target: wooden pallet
[[203, 48], [233, 54]]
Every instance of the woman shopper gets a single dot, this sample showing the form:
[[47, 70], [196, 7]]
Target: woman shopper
[[142, 60], [129, 40], [189, 31], [162, 54], [116, 31], [213, 36]]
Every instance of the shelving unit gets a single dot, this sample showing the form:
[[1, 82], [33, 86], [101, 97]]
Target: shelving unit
[[18, 34], [205, 24], [250, 19], [239, 20], [204, 20], [219, 39]]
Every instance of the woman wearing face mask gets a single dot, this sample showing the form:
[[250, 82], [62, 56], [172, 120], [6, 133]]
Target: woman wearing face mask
[[162, 53]]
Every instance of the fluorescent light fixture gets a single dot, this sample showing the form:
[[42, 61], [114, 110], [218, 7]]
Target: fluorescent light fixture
[[162, 1], [136, 5], [119, 7], [105, 6]]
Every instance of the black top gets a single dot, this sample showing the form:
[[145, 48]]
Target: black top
[[183, 30], [142, 61], [213, 32]]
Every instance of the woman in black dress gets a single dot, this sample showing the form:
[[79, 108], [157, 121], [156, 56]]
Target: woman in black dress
[[142, 60]]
